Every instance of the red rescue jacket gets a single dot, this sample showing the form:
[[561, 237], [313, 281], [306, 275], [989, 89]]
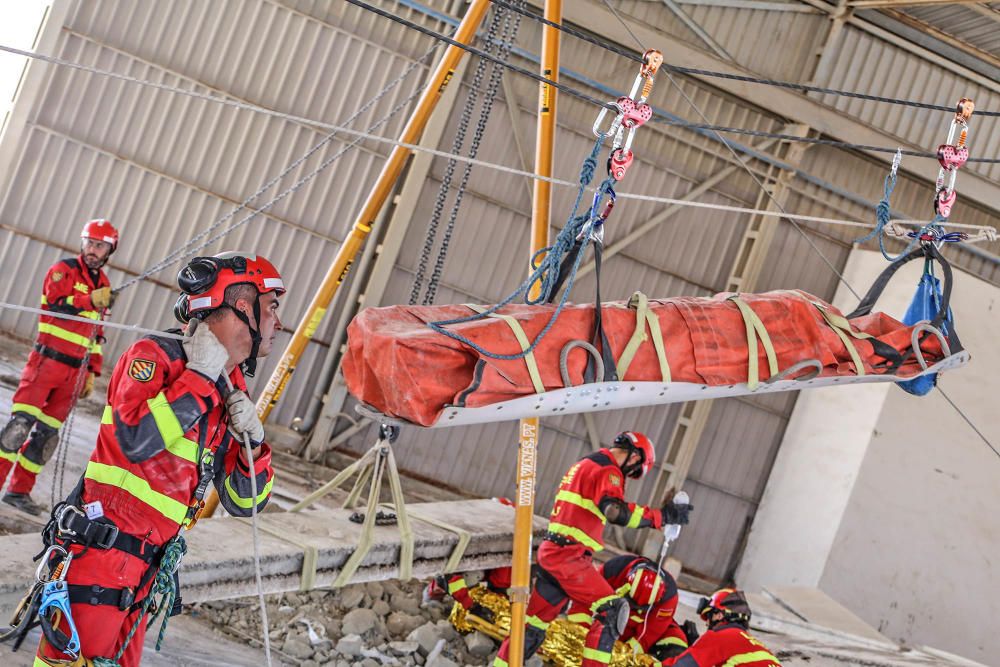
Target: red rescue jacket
[[67, 289], [162, 440], [645, 631], [729, 644], [584, 490]]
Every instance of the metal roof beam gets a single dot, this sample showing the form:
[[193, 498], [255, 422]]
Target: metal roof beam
[[875, 4], [782, 102], [758, 5]]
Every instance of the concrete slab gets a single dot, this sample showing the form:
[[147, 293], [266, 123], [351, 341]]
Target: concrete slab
[[219, 564], [818, 608]]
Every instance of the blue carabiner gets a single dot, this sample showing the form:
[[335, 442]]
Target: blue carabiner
[[599, 219], [55, 596]]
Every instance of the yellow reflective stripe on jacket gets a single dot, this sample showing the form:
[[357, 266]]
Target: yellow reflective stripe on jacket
[[602, 657], [8, 456], [455, 586], [672, 641], [756, 656], [575, 533], [37, 413], [171, 430], [602, 601], [580, 618], [536, 622], [138, 488], [247, 503], [45, 300], [635, 645], [30, 466], [636, 518], [96, 349], [68, 336], [580, 501], [500, 662], [108, 416]]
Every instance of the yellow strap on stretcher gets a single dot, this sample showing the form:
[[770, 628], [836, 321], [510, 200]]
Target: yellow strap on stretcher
[[522, 339], [644, 317], [755, 332], [842, 327]]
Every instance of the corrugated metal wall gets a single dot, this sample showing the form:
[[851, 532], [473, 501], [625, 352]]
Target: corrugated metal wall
[[164, 166]]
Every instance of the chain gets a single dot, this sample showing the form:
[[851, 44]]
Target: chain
[[507, 39], [456, 146]]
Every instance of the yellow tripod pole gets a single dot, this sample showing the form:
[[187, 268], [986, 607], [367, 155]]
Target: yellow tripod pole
[[377, 197], [528, 432]]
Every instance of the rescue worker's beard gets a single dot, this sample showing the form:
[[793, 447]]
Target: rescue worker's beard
[[94, 262]]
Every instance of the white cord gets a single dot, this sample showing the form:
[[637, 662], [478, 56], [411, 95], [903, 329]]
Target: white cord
[[986, 233], [256, 538], [134, 328]]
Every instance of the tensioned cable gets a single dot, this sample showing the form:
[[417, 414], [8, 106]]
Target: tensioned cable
[[840, 276], [632, 55], [102, 323], [986, 232], [566, 88]]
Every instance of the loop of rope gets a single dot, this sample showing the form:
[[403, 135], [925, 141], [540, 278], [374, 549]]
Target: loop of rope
[[545, 272]]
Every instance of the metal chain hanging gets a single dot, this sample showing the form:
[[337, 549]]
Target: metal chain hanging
[[463, 125], [507, 38]]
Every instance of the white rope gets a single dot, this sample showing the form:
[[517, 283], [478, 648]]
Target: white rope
[[983, 232], [111, 325]]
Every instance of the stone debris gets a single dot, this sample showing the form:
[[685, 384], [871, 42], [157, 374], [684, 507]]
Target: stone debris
[[377, 624]]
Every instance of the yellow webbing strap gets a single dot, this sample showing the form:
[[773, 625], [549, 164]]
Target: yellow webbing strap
[[643, 317], [842, 327], [464, 537], [522, 339], [755, 331]]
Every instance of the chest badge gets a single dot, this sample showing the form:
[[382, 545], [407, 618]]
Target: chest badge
[[141, 370], [615, 480]]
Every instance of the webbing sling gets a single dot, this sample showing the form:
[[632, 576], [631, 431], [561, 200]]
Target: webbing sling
[[644, 317], [522, 340], [310, 554], [464, 537], [755, 332]]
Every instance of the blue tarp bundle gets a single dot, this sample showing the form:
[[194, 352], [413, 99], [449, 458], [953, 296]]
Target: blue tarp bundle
[[925, 305]]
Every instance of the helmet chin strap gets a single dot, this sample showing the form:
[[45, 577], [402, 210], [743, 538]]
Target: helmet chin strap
[[632, 470], [249, 365]]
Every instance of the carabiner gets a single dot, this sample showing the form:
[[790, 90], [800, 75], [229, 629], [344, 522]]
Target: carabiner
[[952, 156], [44, 561], [615, 124]]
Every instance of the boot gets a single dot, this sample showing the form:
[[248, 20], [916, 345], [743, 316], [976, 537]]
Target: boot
[[23, 502]]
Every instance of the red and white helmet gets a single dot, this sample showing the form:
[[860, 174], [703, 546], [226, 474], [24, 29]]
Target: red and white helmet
[[729, 602], [633, 441], [204, 280], [645, 585], [101, 230]]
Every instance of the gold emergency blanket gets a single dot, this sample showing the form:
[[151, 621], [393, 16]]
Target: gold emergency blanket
[[563, 645]]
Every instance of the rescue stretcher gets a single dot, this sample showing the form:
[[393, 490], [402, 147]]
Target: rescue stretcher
[[647, 352]]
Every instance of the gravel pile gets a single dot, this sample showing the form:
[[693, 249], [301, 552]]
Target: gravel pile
[[367, 625]]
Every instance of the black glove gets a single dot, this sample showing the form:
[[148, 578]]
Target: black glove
[[482, 612], [676, 514], [691, 631]]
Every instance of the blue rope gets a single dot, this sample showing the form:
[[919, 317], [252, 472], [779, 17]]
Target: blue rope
[[163, 584], [883, 212], [545, 272]]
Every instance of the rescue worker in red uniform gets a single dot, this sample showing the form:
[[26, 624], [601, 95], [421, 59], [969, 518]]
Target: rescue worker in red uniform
[[171, 428], [591, 494], [652, 596], [52, 376], [728, 640]]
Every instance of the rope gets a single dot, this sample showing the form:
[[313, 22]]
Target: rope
[[163, 585], [637, 57], [545, 273]]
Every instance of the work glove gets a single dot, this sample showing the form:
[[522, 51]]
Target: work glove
[[243, 417], [205, 354], [676, 514], [88, 386], [690, 631], [102, 297]]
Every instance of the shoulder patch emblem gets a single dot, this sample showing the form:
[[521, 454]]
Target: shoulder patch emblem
[[57, 276], [141, 370], [615, 480], [664, 613]]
